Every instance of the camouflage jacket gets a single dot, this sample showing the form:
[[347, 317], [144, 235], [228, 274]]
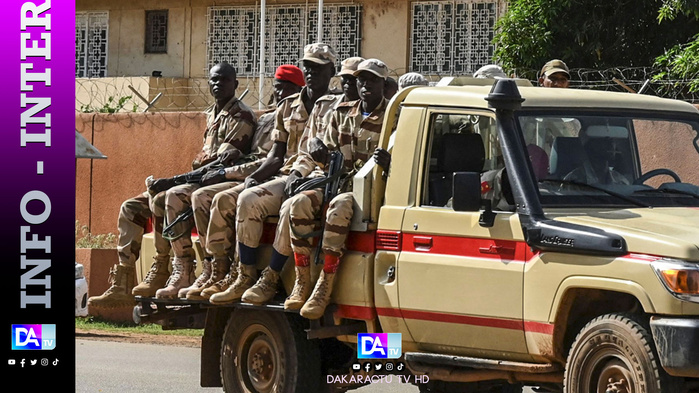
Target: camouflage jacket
[[260, 147], [231, 129], [354, 135], [291, 123]]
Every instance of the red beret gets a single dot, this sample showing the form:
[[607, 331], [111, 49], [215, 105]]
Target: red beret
[[291, 73]]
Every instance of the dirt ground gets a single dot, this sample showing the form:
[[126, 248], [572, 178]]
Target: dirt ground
[[158, 339]]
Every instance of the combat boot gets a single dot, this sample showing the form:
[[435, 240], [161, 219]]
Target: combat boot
[[264, 289], [119, 292], [247, 276], [199, 282], [182, 276], [221, 285], [155, 279], [219, 268], [302, 289], [315, 306]]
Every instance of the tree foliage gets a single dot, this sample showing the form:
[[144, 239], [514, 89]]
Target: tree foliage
[[588, 33], [681, 62]]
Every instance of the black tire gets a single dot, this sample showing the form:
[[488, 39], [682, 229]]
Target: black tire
[[268, 352], [612, 348]]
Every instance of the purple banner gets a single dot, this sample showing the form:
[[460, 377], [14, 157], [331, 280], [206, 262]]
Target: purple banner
[[38, 202]]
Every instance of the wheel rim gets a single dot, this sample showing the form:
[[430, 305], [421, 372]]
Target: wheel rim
[[608, 371], [259, 359]]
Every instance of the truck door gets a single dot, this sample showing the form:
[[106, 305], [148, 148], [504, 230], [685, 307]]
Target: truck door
[[460, 284]]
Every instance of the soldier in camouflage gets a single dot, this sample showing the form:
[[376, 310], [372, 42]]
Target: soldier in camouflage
[[229, 129], [354, 130], [219, 189], [297, 114]]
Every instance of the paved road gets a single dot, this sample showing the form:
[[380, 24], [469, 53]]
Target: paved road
[[118, 367]]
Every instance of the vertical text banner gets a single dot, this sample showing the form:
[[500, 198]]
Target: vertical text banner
[[38, 198]]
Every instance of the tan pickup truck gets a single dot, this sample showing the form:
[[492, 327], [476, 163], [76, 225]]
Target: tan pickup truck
[[524, 236]]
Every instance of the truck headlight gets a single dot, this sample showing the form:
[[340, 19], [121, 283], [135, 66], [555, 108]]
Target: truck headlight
[[679, 277]]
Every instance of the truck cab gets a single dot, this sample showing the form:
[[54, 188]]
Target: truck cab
[[523, 236]]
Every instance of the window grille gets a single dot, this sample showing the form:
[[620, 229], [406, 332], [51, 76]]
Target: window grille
[[156, 31], [234, 34], [452, 37], [91, 35]]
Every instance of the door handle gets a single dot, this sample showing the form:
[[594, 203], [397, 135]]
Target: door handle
[[422, 242], [493, 249]]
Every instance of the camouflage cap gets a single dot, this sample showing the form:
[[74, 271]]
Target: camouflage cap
[[319, 53], [553, 67], [375, 66], [349, 65]]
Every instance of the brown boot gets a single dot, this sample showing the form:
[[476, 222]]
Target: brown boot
[[221, 285], [219, 268], [264, 289], [155, 279], [315, 306], [182, 276], [302, 289], [203, 277], [247, 275], [119, 293]]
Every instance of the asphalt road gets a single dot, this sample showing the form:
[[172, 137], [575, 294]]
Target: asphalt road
[[119, 367]]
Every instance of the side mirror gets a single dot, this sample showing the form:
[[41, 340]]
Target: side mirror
[[466, 192]]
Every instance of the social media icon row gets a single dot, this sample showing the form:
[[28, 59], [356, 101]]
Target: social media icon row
[[32, 362], [378, 366]]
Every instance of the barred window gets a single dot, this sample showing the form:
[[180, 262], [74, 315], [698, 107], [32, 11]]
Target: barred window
[[91, 35], [156, 31], [452, 37], [234, 34]]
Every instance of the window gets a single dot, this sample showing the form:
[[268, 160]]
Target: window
[[452, 37], [458, 143], [156, 31], [234, 34], [91, 35]]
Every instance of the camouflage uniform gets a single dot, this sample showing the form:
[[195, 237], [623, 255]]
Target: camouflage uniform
[[356, 138], [228, 130], [207, 202]]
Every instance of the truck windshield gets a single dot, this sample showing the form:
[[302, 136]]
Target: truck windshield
[[612, 160]]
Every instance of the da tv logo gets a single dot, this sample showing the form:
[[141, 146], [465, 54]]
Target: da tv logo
[[33, 337], [379, 345]]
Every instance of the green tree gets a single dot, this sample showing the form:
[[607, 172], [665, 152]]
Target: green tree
[[587, 33], [681, 62]]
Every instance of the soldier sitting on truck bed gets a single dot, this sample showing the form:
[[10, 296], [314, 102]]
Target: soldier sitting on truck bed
[[354, 131], [230, 126], [288, 80], [295, 115]]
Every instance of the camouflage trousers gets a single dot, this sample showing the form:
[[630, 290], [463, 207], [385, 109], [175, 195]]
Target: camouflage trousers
[[214, 214], [305, 207], [202, 206], [133, 215], [257, 203]]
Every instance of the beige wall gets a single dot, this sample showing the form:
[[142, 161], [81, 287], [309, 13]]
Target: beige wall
[[385, 30]]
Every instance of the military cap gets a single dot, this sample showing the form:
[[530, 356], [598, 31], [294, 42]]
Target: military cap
[[319, 53], [375, 66], [553, 67], [349, 65]]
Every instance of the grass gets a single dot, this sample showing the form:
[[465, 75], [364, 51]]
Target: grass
[[92, 323]]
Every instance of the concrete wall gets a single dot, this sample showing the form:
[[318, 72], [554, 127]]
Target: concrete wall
[[136, 145]]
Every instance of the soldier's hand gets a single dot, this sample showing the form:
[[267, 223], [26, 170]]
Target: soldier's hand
[[251, 182], [382, 158], [213, 176], [160, 185], [292, 182], [318, 150], [228, 157]]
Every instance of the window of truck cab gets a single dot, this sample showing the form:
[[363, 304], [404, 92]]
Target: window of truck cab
[[613, 158], [451, 135]]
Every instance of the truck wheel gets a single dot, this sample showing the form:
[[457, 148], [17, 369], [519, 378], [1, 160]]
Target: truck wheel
[[268, 352], [616, 353]]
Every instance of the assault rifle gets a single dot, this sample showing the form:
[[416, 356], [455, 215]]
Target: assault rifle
[[332, 186], [159, 185]]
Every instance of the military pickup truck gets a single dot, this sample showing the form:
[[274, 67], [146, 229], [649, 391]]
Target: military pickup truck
[[523, 236]]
